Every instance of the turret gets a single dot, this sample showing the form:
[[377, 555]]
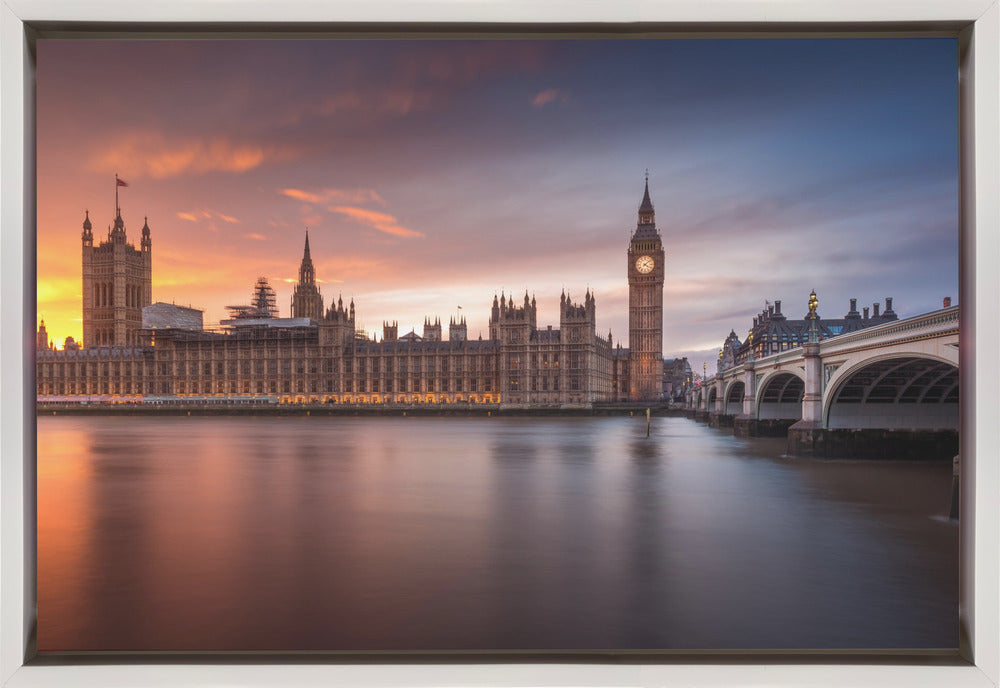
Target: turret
[[117, 233], [88, 235], [146, 244], [457, 330], [42, 337], [432, 330], [390, 331]]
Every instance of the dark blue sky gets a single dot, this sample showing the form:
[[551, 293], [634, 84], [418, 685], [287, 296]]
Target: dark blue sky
[[433, 173]]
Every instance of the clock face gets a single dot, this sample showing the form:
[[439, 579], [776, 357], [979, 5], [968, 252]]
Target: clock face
[[644, 264]]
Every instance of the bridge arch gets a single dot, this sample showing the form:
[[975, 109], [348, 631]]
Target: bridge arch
[[914, 391], [712, 396], [734, 397], [779, 395]]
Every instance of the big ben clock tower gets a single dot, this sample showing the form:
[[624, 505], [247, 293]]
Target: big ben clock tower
[[645, 306]]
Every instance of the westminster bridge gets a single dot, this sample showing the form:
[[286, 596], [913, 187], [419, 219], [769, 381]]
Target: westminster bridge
[[889, 390]]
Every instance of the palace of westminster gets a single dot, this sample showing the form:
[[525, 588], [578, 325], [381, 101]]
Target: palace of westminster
[[134, 349]]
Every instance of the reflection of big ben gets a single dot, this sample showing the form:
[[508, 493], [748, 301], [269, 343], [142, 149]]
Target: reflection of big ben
[[645, 306]]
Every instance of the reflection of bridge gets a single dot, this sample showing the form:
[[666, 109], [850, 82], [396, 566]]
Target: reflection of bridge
[[885, 390]]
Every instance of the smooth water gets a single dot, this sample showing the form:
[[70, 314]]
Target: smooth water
[[335, 533]]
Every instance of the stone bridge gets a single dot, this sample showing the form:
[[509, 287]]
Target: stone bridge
[[885, 391]]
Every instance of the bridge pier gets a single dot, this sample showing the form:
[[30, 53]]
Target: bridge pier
[[761, 427], [720, 420], [745, 424], [809, 441]]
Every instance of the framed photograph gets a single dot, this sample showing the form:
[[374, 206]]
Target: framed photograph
[[539, 346]]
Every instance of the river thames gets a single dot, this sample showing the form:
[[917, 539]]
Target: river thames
[[337, 533]]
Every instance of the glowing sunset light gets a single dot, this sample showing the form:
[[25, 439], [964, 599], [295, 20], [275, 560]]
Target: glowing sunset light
[[435, 173], [380, 221]]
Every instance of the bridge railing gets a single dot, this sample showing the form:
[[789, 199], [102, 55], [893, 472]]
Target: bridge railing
[[939, 321]]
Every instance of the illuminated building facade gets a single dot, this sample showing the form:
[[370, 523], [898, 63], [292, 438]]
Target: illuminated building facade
[[319, 356], [117, 283]]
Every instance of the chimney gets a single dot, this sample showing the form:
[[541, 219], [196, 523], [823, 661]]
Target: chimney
[[777, 307], [947, 302], [875, 309], [865, 310], [853, 313]]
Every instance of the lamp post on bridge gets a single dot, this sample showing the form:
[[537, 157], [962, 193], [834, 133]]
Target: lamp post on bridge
[[812, 398], [804, 435], [745, 424]]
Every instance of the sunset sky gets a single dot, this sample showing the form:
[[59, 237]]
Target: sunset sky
[[433, 174]]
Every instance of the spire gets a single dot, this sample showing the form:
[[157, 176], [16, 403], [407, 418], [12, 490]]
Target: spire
[[647, 205], [646, 228], [88, 235], [307, 273]]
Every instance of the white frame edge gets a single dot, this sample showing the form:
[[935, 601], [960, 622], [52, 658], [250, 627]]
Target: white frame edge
[[981, 261]]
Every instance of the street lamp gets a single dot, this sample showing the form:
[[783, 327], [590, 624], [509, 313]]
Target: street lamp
[[813, 317]]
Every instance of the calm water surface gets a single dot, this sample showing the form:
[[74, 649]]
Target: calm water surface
[[469, 533]]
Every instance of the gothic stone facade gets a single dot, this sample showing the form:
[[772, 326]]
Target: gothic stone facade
[[645, 306], [117, 283], [326, 360]]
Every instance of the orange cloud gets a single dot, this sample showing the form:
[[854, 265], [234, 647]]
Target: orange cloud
[[333, 195], [255, 235], [383, 222], [146, 154], [208, 215], [548, 96], [300, 195]]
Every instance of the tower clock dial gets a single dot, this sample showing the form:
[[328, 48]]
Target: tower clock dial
[[644, 264]]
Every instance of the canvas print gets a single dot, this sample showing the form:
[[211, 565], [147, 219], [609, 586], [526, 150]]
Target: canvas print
[[513, 344]]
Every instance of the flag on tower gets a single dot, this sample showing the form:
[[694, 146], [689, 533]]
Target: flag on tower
[[121, 182]]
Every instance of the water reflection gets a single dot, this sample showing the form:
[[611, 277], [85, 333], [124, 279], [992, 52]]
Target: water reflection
[[426, 533]]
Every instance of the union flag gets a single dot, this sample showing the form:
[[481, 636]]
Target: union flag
[[121, 182]]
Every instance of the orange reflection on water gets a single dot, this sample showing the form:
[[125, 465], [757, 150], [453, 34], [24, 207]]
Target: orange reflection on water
[[65, 524]]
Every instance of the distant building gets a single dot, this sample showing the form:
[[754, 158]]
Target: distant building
[[731, 350], [158, 316], [773, 333], [677, 377]]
